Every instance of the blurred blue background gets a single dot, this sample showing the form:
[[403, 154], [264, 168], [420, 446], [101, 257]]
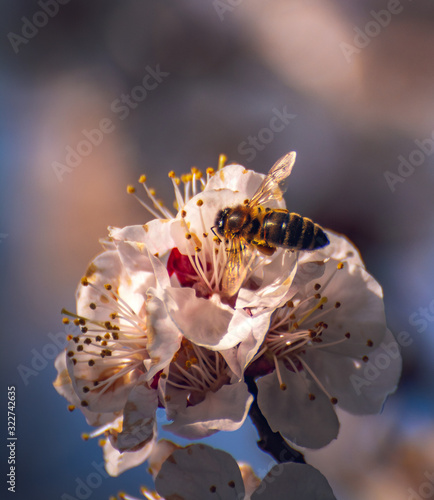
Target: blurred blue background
[[353, 83]]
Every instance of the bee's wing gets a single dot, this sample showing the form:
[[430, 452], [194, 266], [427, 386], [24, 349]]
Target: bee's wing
[[236, 267], [272, 186]]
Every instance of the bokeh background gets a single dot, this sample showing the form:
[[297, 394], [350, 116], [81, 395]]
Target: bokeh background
[[355, 81]]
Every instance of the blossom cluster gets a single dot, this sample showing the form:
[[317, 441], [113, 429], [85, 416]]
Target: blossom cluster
[[158, 330]]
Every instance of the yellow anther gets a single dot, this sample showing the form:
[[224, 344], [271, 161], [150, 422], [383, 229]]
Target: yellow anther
[[171, 174], [222, 161], [71, 407], [199, 203], [194, 170], [131, 189], [183, 213], [85, 436], [102, 442], [186, 178], [188, 236], [84, 281], [340, 265], [283, 387], [177, 181], [210, 171], [152, 192], [142, 179], [65, 321], [107, 286]]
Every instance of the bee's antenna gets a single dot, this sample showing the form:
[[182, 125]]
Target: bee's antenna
[[215, 234]]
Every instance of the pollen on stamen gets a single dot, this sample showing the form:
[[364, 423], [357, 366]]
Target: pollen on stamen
[[65, 321], [210, 171], [317, 286], [188, 236], [85, 436], [84, 403], [337, 305], [222, 160], [71, 407], [107, 286], [84, 281], [102, 442], [131, 189], [92, 305], [290, 303], [348, 335], [317, 295], [199, 203], [171, 174], [369, 343], [283, 387], [91, 362], [365, 359], [340, 265], [334, 401], [183, 214], [142, 179]]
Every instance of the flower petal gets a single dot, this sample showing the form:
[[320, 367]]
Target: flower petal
[[117, 462], [297, 481], [139, 417], [200, 472], [64, 387], [361, 388], [224, 410], [305, 422], [201, 321]]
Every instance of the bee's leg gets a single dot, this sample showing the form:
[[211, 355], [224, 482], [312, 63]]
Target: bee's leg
[[265, 249]]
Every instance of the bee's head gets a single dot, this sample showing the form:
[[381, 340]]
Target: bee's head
[[220, 220]]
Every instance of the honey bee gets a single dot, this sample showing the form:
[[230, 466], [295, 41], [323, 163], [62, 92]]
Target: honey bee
[[251, 225]]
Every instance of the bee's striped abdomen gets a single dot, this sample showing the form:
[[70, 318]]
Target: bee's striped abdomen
[[290, 230]]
